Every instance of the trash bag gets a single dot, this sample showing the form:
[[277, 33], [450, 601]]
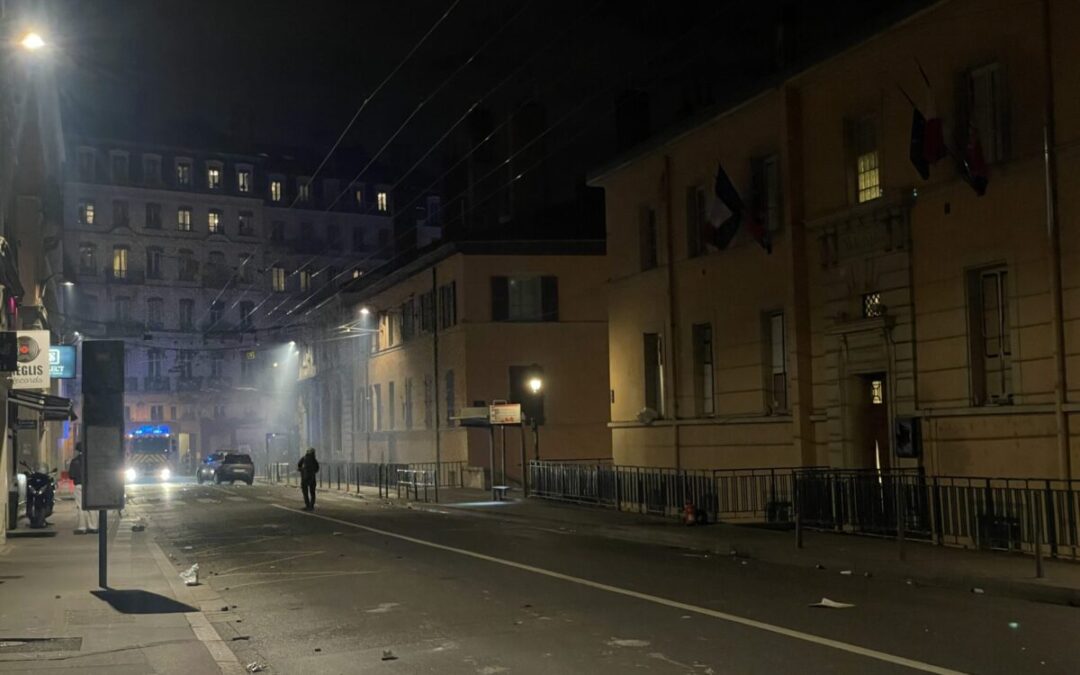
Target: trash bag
[[190, 576]]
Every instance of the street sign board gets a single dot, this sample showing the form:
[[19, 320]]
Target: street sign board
[[62, 362], [103, 486], [25, 425], [33, 360], [505, 413]]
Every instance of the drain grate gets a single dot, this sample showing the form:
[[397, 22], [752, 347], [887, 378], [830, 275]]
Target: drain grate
[[34, 645]]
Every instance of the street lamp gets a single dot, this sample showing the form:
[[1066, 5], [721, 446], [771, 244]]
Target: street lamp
[[534, 380], [32, 42], [364, 311], [535, 384]]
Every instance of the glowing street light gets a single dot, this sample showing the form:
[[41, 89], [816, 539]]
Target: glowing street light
[[364, 311], [32, 42], [536, 384]]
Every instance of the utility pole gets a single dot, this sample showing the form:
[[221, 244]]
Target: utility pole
[[435, 374]]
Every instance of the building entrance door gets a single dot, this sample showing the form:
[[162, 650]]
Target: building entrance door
[[869, 418]]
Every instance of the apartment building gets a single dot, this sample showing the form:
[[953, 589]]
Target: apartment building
[[461, 324], [900, 320], [200, 260]]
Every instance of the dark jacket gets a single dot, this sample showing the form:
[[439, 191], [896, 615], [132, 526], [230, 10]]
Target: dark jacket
[[75, 469], [308, 466]]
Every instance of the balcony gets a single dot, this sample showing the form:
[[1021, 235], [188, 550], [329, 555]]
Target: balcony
[[125, 277], [152, 383]]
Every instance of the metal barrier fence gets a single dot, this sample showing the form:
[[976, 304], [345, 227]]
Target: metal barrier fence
[[349, 476], [987, 513]]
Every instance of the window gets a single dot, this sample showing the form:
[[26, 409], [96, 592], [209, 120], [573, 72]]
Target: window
[[243, 180], [524, 298], [384, 241], [151, 169], [333, 237], [447, 305], [766, 192], [217, 363], [358, 239], [877, 392], [382, 201], [277, 231], [213, 221], [988, 112], [247, 311], [86, 165], [87, 259], [213, 177], [245, 223], [122, 309], [183, 172], [277, 279], [864, 150], [183, 219], [358, 195], [157, 413], [247, 368], [219, 412], [86, 212], [451, 411], [428, 391], [246, 268], [647, 235], [155, 313], [777, 363], [217, 312], [154, 257], [120, 213], [153, 216], [187, 313], [119, 165], [654, 372], [303, 189], [407, 403], [120, 262], [155, 360], [990, 329], [185, 361], [871, 305], [391, 410], [376, 406], [276, 190], [427, 312], [188, 267], [695, 221], [305, 280], [703, 369], [408, 319]]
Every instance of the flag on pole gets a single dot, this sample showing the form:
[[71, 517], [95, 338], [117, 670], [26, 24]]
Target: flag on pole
[[934, 133], [973, 167], [726, 212]]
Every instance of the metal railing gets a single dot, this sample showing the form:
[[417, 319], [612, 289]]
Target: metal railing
[[1023, 515], [350, 476]]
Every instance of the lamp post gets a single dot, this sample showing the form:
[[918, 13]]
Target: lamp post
[[534, 380]]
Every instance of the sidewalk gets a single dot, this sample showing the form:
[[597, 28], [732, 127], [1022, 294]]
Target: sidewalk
[[1011, 575], [53, 616]]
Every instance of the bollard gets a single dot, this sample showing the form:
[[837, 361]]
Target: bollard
[[900, 520], [1039, 572]]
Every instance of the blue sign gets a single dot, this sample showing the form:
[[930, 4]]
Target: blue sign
[[62, 362]]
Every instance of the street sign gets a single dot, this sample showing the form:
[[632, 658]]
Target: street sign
[[504, 413], [62, 362], [103, 486], [33, 360], [25, 425]]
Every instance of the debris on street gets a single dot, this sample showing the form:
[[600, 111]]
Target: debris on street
[[832, 604], [190, 576]]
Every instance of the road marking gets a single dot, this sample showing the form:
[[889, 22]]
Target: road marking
[[207, 500], [705, 611]]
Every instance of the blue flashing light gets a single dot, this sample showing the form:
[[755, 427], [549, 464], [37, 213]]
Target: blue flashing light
[[151, 430]]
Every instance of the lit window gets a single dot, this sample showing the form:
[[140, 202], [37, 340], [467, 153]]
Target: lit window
[[359, 194], [213, 178], [776, 377], [871, 305], [183, 173], [303, 187], [867, 160], [277, 279], [213, 221], [382, 202], [86, 213], [183, 219], [120, 262], [305, 280], [275, 190], [877, 392], [243, 180]]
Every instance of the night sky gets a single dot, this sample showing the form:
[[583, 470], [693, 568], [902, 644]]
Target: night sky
[[250, 74]]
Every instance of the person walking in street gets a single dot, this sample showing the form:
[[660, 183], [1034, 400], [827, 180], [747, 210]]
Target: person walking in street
[[85, 521], [308, 466]]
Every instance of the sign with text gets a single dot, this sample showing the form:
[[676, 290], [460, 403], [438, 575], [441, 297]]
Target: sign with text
[[504, 413], [32, 348], [62, 362]]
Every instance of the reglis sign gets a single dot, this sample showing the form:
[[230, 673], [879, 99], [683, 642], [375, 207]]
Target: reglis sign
[[32, 357]]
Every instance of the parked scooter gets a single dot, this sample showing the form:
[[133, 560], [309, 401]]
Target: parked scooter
[[40, 493]]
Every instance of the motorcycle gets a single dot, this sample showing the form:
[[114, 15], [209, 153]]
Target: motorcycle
[[40, 494]]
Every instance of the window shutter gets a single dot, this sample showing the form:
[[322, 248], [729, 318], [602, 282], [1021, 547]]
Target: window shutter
[[500, 299], [549, 298]]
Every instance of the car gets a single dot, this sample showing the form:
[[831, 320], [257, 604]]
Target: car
[[208, 469], [235, 466]]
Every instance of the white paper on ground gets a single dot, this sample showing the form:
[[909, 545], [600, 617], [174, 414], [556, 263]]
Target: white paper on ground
[[832, 604]]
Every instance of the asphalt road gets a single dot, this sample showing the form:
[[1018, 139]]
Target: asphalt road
[[448, 591]]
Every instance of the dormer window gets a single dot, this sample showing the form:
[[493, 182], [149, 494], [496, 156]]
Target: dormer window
[[303, 189], [243, 179], [277, 192], [183, 172], [213, 176]]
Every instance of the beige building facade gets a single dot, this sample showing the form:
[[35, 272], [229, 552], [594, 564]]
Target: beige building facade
[[493, 311], [891, 306]]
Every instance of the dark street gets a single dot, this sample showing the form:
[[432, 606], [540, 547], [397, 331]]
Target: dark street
[[445, 591]]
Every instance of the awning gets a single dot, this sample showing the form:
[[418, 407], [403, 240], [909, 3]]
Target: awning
[[55, 408]]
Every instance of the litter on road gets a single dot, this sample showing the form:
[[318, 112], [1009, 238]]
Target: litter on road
[[832, 604], [190, 576]]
